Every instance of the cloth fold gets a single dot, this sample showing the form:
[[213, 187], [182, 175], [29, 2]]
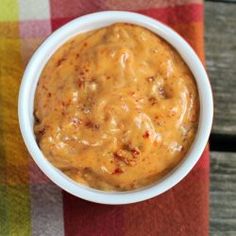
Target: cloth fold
[[29, 202]]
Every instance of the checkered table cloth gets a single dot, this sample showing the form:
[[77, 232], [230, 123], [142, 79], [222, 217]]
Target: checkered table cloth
[[30, 204]]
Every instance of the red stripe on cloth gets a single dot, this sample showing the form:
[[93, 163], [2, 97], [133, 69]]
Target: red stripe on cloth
[[56, 23], [181, 211], [36, 175], [204, 161], [88, 219], [169, 15], [61, 9], [176, 15]]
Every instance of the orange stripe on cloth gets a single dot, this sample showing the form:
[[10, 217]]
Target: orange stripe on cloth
[[14, 190], [193, 34], [15, 154], [9, 30]]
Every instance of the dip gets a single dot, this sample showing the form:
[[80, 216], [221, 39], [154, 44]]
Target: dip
[[116, 108]]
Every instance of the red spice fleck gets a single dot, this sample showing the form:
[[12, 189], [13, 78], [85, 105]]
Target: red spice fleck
[[117, 155], [77, 55], [42, 131], [80, 83], [90, 124], [132, 94], [152, 100], [96, 126], [60, 87], [76, 122], [85, 44], [49, 94], [135, 152], [126, 156], [162, 92], [66, 104], [59, 62], [128, 24], [44, 87], [193, 118], [117, 171], [132, 185], [146, 134], [36, 119]]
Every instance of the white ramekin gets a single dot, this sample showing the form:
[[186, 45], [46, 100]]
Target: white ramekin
[[91, 22]]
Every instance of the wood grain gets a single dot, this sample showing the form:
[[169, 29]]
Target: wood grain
[[223, 194], [220, 44], [225, 1]]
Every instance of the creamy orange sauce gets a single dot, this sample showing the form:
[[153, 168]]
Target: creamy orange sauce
[[116, 108]]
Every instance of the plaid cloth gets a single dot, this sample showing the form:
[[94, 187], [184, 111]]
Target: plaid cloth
[[32, 205]]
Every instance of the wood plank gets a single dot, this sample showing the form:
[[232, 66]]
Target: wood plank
[[223, 1], [223, 193], [220, 44]]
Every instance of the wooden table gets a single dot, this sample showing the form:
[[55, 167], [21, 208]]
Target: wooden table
[[220, 45]]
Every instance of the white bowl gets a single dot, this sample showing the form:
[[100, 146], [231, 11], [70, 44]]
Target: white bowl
[[91, 22]]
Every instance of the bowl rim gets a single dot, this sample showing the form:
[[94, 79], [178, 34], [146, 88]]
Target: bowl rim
[[94, 21]]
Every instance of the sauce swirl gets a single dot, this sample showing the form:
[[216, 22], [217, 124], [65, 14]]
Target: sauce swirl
[[116, 108]]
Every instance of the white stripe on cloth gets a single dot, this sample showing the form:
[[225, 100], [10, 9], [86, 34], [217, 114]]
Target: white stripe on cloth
[[46, 210], [34, 9]]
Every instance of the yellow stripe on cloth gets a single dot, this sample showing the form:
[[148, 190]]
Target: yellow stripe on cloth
[[9, 10], [15, 212], [18, 210]]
